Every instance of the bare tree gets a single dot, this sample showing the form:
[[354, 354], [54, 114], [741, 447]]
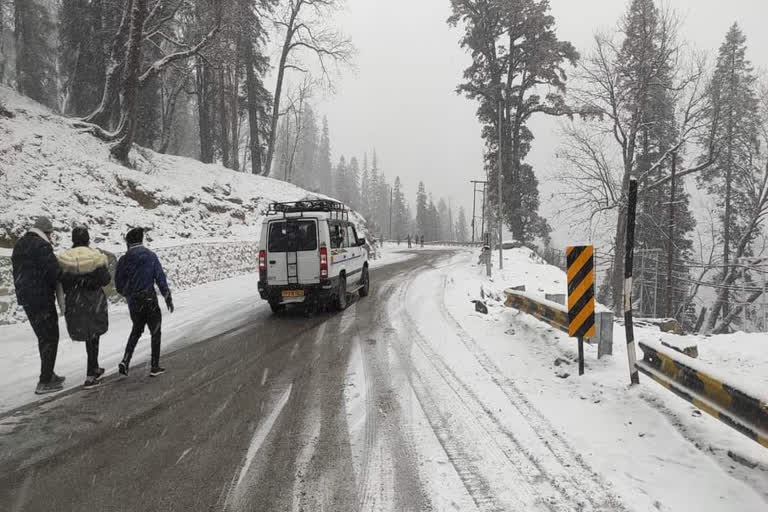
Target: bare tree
[[304, 34], [140, 24], [294, 128], [602, 153]]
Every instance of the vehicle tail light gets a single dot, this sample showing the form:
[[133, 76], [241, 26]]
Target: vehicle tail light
[[323, 263], [262, 264]]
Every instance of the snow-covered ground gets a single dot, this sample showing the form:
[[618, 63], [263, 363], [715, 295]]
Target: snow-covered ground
[[657, 451], [47, 167]]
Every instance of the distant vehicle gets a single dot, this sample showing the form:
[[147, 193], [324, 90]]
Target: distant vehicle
[[310, 255]]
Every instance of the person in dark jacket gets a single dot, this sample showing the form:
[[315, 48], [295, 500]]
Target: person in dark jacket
[[35, 275], [138, 271], [84, 273]]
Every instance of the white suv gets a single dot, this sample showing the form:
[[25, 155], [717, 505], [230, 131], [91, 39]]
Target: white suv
[[310, 254]]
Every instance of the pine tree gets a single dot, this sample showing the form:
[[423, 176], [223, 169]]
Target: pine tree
[[353, 178], [734, 100], [324, 160], [515, 51], [35, 58], [306, 172], [444, 231], [400, 212], [461, 226], [341, 191], [365, 190], [422, 211]]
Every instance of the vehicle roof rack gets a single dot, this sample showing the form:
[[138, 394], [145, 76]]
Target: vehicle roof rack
[[336, 209]]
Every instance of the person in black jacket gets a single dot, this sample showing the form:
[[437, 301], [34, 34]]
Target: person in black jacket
[[35, 275], [138, 271], [84, 273]]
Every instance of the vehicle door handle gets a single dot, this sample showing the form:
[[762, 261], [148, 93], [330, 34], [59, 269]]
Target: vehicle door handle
[[272, 262]]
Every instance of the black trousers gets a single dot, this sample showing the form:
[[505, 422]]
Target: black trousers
[[45, 324], [92, 349], [145, 312]]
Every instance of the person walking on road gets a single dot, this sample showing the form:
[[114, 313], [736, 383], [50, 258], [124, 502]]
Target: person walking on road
[[138, 271], [422, 241], [409, 240], [84, 273], [35, 276]]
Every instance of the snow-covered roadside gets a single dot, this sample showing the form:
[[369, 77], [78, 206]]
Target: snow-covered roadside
[[390, 254], [201, 312], [652, 446]]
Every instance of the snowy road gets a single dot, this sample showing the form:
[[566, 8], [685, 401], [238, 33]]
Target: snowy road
[[389, 406]]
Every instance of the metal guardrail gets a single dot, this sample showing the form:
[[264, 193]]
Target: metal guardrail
[[446, 243], [735, 408], [548, 313], [556, 315]]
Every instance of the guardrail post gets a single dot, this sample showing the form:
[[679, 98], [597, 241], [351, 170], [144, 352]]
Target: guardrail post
[[604, 324]]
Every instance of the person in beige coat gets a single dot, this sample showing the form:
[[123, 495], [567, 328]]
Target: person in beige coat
[[84, 274]]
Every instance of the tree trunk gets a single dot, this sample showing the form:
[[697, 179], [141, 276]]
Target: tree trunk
[[169, 111], [671, 241], [252, 86], [222, 119], [235, 113], [2, 39], [202, 85], [289, 33], [126, 130], [731, 316], [18, 24], [617, 280], [104, 112]]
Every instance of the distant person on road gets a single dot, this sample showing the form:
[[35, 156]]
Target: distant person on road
[[409, 241], [84, 273], [138, 271], [422, 241], [35, 276]]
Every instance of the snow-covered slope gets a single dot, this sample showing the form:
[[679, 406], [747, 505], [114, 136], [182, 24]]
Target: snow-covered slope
[[48, 167], [649, 443]]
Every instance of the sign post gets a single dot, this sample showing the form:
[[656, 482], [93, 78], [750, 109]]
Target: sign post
[[581, 296], [634, 377]]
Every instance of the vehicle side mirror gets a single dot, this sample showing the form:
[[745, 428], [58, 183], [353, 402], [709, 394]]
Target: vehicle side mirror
[[360, 242]]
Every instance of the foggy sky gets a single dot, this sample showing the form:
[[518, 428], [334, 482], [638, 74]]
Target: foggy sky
[[402, 99]]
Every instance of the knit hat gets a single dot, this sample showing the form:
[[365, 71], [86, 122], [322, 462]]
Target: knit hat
[[44, 224], [80, 236], [135, 236]]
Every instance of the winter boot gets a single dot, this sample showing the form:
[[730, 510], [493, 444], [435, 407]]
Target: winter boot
[[157, 370], [48, 387], [123, 367], [91, 382]]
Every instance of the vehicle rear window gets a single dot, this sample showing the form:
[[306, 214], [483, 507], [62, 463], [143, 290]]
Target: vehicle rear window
[[292, 236]]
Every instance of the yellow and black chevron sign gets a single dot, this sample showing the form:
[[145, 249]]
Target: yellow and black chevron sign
[[581, 291]]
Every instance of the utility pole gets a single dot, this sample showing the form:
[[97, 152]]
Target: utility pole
[[475, 183], [501, 170]]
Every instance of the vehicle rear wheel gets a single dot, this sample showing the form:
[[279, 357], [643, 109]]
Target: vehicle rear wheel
[[277, 307], [365, 282], [341, 294]]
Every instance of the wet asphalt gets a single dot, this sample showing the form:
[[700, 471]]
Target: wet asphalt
[[252, 419]]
